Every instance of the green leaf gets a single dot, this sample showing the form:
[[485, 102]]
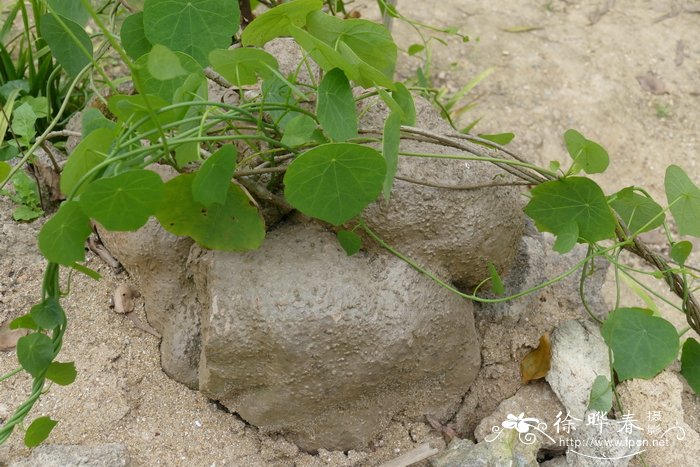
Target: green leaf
[[72, 56], [62, 238], [690, 363], [496, 282], [243, 66], [25, 322], [498, 138], [8, 151], [195, 28], [335, 106], [405, 100], [639, 213], [71, 9], [680, 251], [587, 154], [234, 226], [38, 431], [40, 105], [415, 48], [134, 109], [278, 92], [23, 120], [684, 200], [642, 345], [390, 148], [62, 374], [344, 58], [91, 119], [276, 21], [567, 238], [601, 395], [350, 241], [213, 179], [133, 36], [48, 314], [87, 155], [5, 169], [557, 203], [187, 153], [369, 41], [300, 130], [35, 352], [26, 213], [163, 64], [123, 202], [335, 182]]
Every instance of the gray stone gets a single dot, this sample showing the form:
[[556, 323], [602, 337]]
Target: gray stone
[[535, 400], [529, 269], [603, 444], [459, 231], [509, 449], [534, 263], [559, 461], [657, 406], [66, 455], [579, 354], [298, 338]]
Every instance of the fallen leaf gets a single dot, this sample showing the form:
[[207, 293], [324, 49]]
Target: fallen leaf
[[535, 365], [652, 84], [9, 337]]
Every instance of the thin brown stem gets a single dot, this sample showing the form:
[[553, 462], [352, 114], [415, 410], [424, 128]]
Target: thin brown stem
[[475, 186]]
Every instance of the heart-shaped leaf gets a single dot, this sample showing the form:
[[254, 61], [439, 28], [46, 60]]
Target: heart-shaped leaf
[[195, 28], [38, 431], [235, 225], [642, 344], [48, 314], [587, 154], [640, 213], [557, 204], [684, 200], [35, 352], [335, 182], [243, 66], [61, 373], [62, 238], [123, 202]]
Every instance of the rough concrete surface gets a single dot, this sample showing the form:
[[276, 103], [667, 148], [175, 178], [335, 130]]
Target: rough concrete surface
[[579, 355], [296, 345], [576, 68], [657, 408], [458, 231]]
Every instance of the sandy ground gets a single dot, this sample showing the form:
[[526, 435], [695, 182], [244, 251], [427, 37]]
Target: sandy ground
[[575, 67]]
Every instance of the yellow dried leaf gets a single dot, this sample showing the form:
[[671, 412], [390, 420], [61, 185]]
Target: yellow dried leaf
[[535, 365]]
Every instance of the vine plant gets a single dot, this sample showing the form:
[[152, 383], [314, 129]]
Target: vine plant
[[273, 147]]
